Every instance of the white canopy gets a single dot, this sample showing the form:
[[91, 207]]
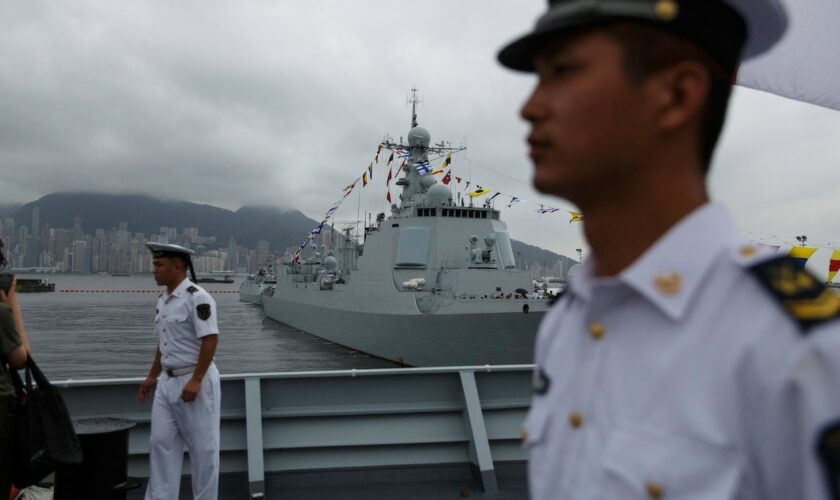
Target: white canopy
[[805, 65]]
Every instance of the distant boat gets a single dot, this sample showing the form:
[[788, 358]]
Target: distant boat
[[120, 274], [226, 278], [29, 285]]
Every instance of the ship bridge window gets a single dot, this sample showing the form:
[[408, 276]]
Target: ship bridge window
[[505, 250], [413, 247]]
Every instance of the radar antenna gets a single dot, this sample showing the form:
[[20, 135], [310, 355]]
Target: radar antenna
[[414, 100]]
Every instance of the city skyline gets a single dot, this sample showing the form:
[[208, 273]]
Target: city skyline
[[117, 249]]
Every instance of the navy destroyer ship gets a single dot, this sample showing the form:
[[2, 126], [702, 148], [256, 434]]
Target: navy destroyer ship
[[252, 289], [435, 282]]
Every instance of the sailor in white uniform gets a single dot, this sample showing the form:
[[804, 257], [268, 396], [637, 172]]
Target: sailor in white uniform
[[682, 362], [186, 407]]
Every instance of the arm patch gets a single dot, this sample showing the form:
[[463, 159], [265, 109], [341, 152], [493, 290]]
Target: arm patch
[[803, 297], [192, 289], [828, 449], [203, 311]]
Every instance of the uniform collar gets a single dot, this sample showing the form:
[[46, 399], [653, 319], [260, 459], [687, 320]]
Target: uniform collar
[[179, 290], [670, 271]]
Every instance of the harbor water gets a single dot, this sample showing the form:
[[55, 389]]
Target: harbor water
[[101, 326]]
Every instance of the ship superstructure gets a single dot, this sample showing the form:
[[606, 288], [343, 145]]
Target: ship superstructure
[[434, 283]]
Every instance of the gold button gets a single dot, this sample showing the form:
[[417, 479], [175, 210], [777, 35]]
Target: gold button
[[523, 435], [575, 419], [747, 251], [654, 490], [668, 284], [596, 330], [666, 10]]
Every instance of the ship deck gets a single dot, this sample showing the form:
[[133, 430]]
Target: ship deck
[[375, 484], [375, 434]]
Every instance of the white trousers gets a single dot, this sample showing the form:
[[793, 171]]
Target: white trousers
[[176, 424]]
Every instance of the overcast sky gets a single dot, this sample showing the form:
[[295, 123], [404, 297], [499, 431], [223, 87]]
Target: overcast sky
[[283, 103]]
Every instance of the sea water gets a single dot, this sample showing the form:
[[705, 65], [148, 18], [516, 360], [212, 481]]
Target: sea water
[[102, 326]]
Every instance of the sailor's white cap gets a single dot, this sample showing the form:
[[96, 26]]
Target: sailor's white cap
[[169, 250], [729, 30]]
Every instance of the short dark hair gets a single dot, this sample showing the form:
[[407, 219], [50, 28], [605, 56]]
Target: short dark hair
[[648, 50]]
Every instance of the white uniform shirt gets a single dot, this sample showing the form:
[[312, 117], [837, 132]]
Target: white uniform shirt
[[179, 324], [682, 378]]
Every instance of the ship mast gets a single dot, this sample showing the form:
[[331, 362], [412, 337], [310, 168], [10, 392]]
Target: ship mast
[[419, 148], [414, 100]]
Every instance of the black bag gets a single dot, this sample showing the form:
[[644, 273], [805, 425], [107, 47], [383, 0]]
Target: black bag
[[45, 434]]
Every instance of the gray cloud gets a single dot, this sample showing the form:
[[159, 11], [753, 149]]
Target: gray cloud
[[283, 103]]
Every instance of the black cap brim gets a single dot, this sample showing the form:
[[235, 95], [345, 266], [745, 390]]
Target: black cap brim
[[691, 20]]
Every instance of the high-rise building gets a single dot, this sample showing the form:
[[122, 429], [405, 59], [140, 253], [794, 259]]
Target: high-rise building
[[262, 253], [80, 264], [77, 228], [30, 252], [8, 231], [190, 234], [36, 220]]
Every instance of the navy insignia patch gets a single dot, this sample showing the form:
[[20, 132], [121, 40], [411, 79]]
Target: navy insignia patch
[[192, 289], [828, 447], [800, 294], [203, 311]]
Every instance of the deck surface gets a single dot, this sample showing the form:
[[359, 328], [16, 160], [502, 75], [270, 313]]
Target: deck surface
[[372, 485]]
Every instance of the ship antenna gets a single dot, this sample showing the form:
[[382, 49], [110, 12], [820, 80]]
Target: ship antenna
[[414, 100]]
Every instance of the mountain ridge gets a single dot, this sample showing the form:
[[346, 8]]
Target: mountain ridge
[[282, 228]]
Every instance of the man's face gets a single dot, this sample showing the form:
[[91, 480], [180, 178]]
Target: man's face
[[166, 271], [589, 123]]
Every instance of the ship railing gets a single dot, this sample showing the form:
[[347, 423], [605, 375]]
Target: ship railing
[[283, 423]]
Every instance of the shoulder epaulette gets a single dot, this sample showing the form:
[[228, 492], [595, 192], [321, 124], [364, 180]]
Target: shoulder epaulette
[[192, 289], [801, 295]]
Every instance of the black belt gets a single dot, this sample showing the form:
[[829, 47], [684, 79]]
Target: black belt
[[179, 371]]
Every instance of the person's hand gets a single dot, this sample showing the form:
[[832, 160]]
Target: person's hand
[[11, 298], [191, 390], [146, 388]]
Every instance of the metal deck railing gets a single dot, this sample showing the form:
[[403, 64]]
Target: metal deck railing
[[339, 420]]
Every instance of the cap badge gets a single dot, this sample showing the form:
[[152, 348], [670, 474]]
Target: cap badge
[[668, 284], [666, 10]]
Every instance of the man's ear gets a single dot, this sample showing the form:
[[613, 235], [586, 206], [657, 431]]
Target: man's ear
[[681, 92]]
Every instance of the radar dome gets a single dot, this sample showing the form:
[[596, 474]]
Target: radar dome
[[438, 195], [428, 181], [330, 264], [418, 136]]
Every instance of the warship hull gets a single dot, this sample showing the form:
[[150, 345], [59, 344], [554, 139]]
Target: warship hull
[[250, 292], [462, 332]]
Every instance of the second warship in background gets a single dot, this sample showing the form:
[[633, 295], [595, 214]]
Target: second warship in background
[[434, 284], [252, 289]]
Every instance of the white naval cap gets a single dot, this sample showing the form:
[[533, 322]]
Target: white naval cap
[[728, 30], [169, 250]]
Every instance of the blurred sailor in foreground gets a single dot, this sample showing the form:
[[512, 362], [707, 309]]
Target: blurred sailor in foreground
[[682, 362], [187, 400]]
